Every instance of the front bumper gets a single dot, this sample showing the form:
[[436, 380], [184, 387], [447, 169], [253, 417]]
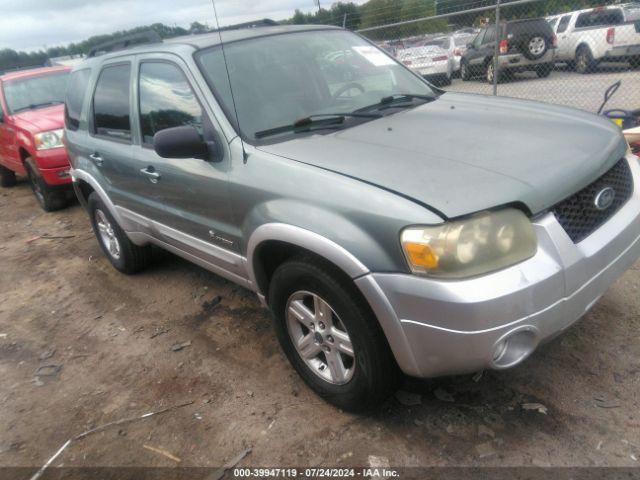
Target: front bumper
[[53, 166], [437, 327]]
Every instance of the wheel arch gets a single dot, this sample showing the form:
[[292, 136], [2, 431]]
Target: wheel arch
[[272, 243], [276, 242]]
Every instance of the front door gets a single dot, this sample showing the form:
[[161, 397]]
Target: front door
[[191, 201]]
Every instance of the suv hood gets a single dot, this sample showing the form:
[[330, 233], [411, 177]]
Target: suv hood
[[41, 119], [465, 153]]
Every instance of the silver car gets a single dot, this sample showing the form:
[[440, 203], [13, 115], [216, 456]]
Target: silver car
[[381, 238], [433, 59]]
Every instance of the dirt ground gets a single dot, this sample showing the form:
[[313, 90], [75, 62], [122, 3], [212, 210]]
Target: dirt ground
[[61, 303]]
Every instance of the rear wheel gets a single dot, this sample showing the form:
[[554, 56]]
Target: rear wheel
[[330, 335], [544, 70], [124, 255], [49, 199], [584, 60], [7, 177]]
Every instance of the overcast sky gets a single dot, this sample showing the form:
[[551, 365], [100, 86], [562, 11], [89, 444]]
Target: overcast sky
[[34, 24]]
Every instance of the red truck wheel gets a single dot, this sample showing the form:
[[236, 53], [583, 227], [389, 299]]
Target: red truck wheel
[[49, 199], [7, 177]]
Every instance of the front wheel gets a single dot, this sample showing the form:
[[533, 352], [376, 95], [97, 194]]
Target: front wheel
[[465, 74], [49, 199], [330, 335]]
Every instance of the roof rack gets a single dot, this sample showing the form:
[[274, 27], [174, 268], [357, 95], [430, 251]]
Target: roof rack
[[122, 43], [265, 22]]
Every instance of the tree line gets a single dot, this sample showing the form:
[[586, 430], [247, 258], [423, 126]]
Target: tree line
[[348, 14]]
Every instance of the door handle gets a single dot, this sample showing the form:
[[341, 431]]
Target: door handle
[[151, 173], [97, 159]]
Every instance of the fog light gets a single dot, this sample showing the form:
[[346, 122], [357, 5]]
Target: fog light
[[514, 347]]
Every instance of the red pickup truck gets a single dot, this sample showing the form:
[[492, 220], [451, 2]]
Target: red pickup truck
[[31, 128]]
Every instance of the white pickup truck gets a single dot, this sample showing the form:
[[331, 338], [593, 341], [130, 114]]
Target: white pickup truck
[[602, 34]]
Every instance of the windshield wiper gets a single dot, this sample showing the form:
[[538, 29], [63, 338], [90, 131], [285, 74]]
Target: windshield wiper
[[317, 121], [396, 101], [33, 106]]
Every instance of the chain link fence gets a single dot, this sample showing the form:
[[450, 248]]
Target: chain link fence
[[565, 52]]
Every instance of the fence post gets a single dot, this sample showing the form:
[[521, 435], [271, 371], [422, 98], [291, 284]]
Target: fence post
[[496, 52]]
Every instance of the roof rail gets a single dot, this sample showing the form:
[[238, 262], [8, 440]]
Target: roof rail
[[265, 22], [122, 43]]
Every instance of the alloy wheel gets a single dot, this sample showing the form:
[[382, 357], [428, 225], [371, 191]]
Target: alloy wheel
[[320, 338], [107, 234]]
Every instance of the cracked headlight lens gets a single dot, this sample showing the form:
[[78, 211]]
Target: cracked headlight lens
[[48, 140], [476, 245]]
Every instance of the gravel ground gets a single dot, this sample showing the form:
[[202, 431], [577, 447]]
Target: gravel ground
[[566, 88], [113, 337]]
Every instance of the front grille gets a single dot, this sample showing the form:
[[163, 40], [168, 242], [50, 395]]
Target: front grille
[[579, 215]]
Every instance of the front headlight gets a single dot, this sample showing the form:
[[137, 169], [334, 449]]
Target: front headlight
[[479, 244], [48, 140]]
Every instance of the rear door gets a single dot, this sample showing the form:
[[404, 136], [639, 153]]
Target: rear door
[[474, 55], [110, 146], [8, 151], [563, 34]]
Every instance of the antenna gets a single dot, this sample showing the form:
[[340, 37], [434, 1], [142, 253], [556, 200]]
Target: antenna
[[226, 66]]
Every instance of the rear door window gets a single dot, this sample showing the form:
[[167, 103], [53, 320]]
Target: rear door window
[[76, 92], [600, 18], [564, 23], [166, 100], [111, 103]]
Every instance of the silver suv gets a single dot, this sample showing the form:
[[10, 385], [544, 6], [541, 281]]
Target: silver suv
[[307, 165]]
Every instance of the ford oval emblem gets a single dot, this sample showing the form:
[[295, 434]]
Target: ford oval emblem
[[604, 198]]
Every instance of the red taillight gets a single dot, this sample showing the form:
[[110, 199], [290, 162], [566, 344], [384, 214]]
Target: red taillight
[[441, 58], [457, 52], [611, 35], [407, 62], [554, 41], [504, 46]]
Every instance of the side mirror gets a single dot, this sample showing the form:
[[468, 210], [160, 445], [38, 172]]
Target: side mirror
[[469, 45], [184, 142]]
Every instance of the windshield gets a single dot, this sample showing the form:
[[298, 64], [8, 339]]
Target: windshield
[[34, 92], [279, 79]]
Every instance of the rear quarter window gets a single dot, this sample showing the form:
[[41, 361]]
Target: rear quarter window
[[600, 18], [76, 93]]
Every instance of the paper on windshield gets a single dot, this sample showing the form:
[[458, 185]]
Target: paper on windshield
[[374, 56]]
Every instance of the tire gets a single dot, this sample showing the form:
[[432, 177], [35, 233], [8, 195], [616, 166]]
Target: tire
[[124, 255], [534, 46], [584, 60], [489, 73], [465, 74], [49, 199], [544, 70], [358, 382], [446, 80], [7, 177]]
